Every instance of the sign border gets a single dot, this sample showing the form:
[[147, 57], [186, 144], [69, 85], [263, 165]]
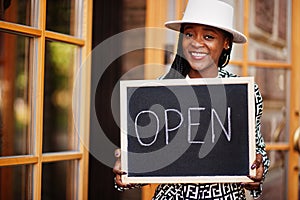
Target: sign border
[[124, 84]]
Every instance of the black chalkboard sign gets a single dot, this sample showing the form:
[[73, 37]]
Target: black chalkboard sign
[[191, 130]]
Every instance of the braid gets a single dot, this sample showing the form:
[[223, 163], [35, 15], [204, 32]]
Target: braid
[[180, 67], [225, 55], [224, 58]]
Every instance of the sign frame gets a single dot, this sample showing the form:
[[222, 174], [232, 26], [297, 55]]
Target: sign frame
[[125, 84]]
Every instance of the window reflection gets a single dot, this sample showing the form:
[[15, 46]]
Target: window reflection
[[16, 182], [275, 181], [14, 94], [268, 30], [60, 16], [237, 51], [16, 11], [59, 134], [273, 85], [59, 180]]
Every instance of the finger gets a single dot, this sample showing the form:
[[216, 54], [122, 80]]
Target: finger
[[251, 186], [117, 153], [119, 182], [258, 161], [119, 172], [255, 179], [117, 168], [259, 174]]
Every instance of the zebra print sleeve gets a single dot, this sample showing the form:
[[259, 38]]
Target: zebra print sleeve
[[260, 144]]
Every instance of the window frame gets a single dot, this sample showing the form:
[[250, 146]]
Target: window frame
[[83, 40]]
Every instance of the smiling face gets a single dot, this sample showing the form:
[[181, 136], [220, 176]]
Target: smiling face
[[202, 47]]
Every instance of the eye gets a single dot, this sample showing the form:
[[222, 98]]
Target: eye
[[209, 37], [188, 35]]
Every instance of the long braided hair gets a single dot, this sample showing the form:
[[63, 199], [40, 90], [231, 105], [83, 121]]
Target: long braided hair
[[180, 66]]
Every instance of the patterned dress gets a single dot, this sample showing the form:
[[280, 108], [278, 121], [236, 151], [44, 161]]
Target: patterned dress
[[220, 191]]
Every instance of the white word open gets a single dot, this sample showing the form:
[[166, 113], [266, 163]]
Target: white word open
[[191, 122]]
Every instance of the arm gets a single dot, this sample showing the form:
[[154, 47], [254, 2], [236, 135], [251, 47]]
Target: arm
[[261, 162]]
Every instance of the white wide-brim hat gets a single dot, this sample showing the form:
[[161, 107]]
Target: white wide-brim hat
[[213, 13]]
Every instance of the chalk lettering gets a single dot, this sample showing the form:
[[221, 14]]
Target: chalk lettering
[[214, 115], [136, 127], [228, 134], [190, 124], [167, 125]]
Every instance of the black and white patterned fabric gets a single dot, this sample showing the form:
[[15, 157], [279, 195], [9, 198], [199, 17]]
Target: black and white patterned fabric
[[220, 191], [224, 191]]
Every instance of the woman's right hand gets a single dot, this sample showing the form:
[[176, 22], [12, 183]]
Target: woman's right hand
[[117, 170]]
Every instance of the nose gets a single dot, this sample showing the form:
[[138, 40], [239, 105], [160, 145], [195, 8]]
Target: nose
[[197, 42]]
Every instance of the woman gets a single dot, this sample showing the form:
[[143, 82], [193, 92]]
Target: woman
[[204, 47]]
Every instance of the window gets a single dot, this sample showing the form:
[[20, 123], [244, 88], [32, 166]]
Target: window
[[42, 148]]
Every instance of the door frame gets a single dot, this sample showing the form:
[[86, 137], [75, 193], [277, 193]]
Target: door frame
[[294, 99]]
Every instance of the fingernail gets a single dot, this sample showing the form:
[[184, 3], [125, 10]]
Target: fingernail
[[253, 166], [117, 153]]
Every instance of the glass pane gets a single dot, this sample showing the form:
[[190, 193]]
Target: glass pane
[[16, 11], [237, 50], [59, 180], [15, 104], [59, 133], [61, 16], [16, 182], [268, 30], [274, 87]]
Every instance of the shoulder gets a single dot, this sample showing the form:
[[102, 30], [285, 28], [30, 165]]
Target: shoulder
[[225, 74]]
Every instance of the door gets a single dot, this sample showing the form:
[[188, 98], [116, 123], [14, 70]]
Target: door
[[272, 57]]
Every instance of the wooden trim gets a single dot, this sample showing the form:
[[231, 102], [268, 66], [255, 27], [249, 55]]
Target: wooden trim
[[246, 32], [84, 110], [64, 38], [18, 160], [38, 84], [60, 156], [266, 64], [21, 29], [293, 158], [156, 16], [277, 146], [180, 7]]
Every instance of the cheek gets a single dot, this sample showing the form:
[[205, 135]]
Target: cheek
[[218, 51]]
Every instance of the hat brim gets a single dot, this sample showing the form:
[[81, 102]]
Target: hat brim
[[237, 36]]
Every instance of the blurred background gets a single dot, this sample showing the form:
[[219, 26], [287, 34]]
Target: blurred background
[[46, 96]]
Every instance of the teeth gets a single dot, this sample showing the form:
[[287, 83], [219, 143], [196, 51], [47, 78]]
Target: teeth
[[198, 54]]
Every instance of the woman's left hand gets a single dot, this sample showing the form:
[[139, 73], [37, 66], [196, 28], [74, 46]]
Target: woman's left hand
[[258, 165]]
